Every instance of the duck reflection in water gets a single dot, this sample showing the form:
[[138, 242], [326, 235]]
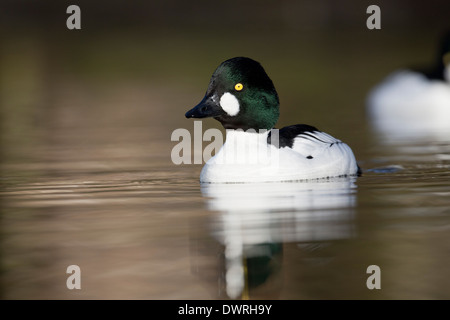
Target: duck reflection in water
[[254, 220]]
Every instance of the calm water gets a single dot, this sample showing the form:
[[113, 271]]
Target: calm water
[[87, 180]]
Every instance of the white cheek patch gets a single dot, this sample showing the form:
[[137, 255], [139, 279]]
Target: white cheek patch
[[229, 104]]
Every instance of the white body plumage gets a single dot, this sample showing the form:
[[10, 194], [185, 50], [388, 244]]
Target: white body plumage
[[248, 157]]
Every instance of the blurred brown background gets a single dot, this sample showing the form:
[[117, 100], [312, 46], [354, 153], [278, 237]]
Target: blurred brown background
[[134, 61]]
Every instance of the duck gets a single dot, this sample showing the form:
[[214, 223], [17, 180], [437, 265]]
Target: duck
[[242, 97], [413, 104]]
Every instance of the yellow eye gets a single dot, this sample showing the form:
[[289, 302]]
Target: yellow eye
[[238, 86]]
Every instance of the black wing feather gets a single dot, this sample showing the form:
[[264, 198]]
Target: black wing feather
[[289, 133]]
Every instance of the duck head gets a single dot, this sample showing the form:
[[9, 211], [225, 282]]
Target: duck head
[[240, 95]]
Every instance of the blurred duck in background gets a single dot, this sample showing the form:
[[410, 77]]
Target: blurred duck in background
[[412, 105]]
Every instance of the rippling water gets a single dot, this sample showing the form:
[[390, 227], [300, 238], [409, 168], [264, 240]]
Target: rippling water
[[88, 181], [151, 231]]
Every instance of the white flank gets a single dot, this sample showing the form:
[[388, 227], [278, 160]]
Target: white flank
[[246, 157]]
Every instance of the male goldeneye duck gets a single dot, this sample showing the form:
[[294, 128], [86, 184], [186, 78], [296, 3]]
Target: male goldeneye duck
[[243, 99], [412, 104]]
